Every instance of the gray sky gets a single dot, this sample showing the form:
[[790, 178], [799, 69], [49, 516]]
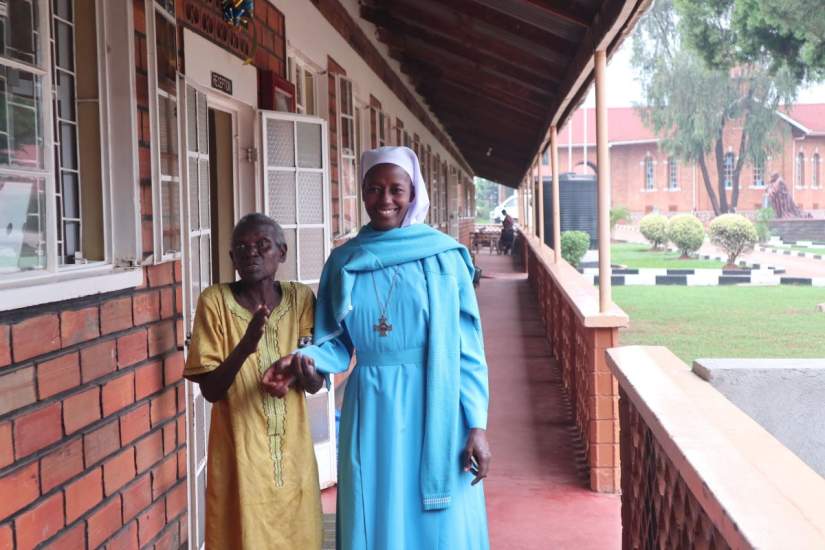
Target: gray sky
[[623, 89]]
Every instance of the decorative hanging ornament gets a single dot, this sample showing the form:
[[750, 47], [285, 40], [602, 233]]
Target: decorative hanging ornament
[[237, 12]]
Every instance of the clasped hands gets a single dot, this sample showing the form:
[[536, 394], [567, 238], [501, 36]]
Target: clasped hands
[[291, 370]]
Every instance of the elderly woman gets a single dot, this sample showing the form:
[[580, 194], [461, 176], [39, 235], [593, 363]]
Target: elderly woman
[[262, 481], [400, 298]]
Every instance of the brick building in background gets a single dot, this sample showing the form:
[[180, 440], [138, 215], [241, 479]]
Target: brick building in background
[[644, 178], [137, 135]]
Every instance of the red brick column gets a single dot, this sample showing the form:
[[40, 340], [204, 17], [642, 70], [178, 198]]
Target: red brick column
[[92, 425], [579, 351]]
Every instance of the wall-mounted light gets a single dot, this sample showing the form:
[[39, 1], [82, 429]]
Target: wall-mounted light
[[489, 152]]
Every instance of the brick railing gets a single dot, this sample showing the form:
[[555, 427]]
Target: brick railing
[[92, 421], [579, 335], [697, 472]]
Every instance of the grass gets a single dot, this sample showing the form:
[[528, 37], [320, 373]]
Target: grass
[[640, 255], [769, 322]]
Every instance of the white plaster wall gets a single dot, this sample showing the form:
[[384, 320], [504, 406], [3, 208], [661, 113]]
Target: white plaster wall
[[313, 38]]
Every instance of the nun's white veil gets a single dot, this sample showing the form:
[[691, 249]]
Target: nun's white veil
[[407, 160]]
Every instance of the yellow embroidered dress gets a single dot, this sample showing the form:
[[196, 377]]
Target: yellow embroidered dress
[[262, 480]]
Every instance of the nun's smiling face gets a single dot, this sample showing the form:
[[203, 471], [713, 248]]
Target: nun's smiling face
[[388, 193]]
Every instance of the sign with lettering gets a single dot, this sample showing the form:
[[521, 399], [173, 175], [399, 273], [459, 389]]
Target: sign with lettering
[[220, 82]]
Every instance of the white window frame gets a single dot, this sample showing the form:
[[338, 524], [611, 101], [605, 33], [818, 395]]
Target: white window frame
[[154, 137], [758, 175], [297, 70], [728, 163], [346, 156], [672, 173], [649, 167], [120, 194], [799, 170]]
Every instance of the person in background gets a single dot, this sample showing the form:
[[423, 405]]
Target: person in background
[[508, 233], [399, 297], [262, 480]]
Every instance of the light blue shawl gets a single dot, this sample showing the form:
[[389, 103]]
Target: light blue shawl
[[449, 271]]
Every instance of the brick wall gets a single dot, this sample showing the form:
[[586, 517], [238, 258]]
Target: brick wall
[[92, 425]]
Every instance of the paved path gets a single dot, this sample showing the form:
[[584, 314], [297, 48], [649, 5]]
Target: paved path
[[537, 497], [794, 266]]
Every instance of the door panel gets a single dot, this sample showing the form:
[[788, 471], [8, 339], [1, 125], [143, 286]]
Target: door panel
[[296, 195]]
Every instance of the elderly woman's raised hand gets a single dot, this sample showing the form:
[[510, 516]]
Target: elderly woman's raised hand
[[254, 331], [476, 455]]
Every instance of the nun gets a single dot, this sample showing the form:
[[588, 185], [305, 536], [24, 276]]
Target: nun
[[399, 299]]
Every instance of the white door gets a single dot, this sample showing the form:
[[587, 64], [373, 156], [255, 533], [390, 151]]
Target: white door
[[296, 195], [197, 275]]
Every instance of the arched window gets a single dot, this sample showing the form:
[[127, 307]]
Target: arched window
[[649, 182], [729, 158], [815, 181], [800, 170], [672, 173]]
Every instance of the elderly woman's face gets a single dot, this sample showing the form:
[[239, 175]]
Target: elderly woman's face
[[388, 193], [256, 252]]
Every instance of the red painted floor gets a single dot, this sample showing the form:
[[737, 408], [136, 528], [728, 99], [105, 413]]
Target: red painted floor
[[537, 497], [536, 494]]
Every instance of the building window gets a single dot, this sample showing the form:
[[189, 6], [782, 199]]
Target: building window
[[40, 104], [304, 80], [759, 173], [407, 140], [800, 170], [383, 129], [163, 68], [672, 173], [347, 174], [649, 181], [545, 158], [728, 168], [815, 181]]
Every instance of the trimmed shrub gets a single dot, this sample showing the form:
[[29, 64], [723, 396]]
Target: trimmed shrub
[[574, 245], [763, 216], [618, 214], [686, 232], [654, 229], [733, 233]]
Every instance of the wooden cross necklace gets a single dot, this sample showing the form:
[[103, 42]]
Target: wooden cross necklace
[[383, 328]]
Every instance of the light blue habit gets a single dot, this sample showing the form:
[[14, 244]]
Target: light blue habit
[[413, 395]]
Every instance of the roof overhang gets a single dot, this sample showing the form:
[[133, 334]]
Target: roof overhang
[[498, 73]]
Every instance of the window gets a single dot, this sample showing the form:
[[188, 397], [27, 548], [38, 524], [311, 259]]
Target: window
[[304, 80], [407, 140], [649, 181], [728, 170], [347, 175], [381, 131], [545, 157], [672, 173], [759, 173], [163, 68], [815, 181], [40, 106], [800, 170]]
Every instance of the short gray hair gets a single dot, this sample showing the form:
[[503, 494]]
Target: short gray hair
[[258, 219]]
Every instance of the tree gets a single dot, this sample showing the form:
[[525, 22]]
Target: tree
[[689, 103], [486, 198], [790, 32]]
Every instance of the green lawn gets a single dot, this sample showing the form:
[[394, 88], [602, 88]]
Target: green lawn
[[640, 255], [725, 321]]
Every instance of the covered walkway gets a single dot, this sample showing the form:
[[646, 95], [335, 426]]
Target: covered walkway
[[537, 495]]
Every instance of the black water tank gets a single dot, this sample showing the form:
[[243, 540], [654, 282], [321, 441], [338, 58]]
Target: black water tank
[[577, 195]]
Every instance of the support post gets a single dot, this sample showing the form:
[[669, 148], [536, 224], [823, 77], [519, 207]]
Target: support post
[[603, 159], [541, 199], [556, 170]]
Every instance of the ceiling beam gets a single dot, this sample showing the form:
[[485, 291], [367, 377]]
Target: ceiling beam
[[565, 24], [535, 66]]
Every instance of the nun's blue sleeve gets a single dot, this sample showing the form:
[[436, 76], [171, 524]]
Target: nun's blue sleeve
[[475, 392], [332, 356]]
